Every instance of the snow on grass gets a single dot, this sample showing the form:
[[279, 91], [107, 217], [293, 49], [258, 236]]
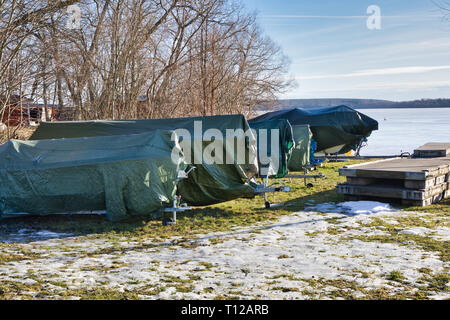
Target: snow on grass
[[281, 260]]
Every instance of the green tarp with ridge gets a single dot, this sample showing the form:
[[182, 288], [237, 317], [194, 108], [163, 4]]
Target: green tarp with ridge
[[300, 157], [279, 167], [207, 183], [127, 176]]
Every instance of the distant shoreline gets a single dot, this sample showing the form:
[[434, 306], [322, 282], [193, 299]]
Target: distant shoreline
[[354, 107], [401, 107], [355, 104]]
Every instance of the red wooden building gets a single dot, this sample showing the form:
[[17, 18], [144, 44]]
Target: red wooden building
[[24, 112]]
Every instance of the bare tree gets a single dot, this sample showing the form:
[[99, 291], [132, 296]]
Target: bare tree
[[236, 66], [19, 21], [139, 58]]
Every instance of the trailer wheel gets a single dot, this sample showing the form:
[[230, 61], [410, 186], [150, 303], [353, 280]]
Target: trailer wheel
[[167, 221], [267, 204], [309, 185]]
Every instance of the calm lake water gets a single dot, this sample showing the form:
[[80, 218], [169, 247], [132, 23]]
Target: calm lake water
[[403, 130]]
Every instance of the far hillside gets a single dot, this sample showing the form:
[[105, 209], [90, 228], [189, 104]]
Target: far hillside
[[357, 103]]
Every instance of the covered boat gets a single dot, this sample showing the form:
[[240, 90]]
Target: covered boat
[[335, 129], [301, 154], [273, 165], [208, 183], [131, 175]]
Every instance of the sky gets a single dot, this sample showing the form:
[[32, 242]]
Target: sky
[[334, 54]]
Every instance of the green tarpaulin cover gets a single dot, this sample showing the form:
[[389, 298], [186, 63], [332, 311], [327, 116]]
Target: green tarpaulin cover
[[331, 127], [208, 183], [131, 175], [300, 156], [285, 144]]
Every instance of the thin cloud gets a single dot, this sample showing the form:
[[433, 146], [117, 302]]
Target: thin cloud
[[381, 90], [348, 17], [377, 72]]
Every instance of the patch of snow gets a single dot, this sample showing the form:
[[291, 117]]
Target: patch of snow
[[352, 207], [443, 296], [29, 235], [441, 234], [391, 222], [276, 205], [50, 234], [416, 231], [364, 207], [324, 207]]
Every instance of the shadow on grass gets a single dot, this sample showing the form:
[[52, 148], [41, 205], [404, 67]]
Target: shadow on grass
[[220, 217], [30, 228], [300, 203]]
